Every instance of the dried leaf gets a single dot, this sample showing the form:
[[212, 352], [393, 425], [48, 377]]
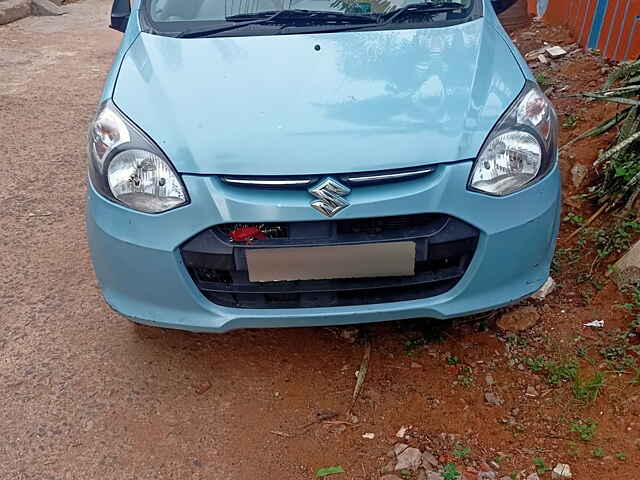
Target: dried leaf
[[618, 148], [326, 471], [601, 127], [362, 373], [622, 100]]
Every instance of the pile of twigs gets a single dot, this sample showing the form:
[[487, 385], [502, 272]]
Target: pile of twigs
[[619, 166]]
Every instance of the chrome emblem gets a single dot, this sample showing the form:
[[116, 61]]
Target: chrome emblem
[[329, 193]]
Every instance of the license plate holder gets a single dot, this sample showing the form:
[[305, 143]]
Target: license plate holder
[[370, 260]]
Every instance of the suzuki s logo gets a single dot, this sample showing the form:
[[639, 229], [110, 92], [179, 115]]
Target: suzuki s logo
[[329, 193]]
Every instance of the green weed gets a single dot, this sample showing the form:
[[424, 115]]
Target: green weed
[[570, 121], [587, 390], [450, 472], [461, 452], [585, 429], [452, 360], [541, 466]]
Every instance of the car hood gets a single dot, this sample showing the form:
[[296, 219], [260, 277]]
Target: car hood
[[319, 103]]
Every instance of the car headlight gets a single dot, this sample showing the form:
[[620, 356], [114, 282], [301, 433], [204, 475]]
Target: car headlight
[[127, 167], [522, 147]]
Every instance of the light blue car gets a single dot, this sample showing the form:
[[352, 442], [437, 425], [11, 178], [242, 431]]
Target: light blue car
[[270, 163]]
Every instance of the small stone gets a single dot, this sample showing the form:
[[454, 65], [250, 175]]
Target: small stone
[[489, 380], [44, 8], [493, 399], [12, 10], [429, 461], [543, 59], [409, 459], [203, 387], [369, 436], [561, 472], [533, 476], [398, 448], [402, 432], [578, 174], [519, 320], [627, 270], [546, 289], [434, 476], [531, 392], [487, 476], [556, 52], [354, 419], [494, 465], [415, 365]]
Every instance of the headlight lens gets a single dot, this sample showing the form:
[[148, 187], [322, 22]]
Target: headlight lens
[[143, 181], [126, 166], [521, 149], [509, 161]]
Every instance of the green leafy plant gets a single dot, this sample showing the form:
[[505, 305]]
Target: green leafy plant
[[622, 456], [465, 377], [620, 166], [410, 346], [450, 472], [541, 466], [587, 390], [452, 360], [561, 372], [406, 474], [570, 121], [616, 348], [597, 452], [543, 80], [556, 372], [536, 364], [585, 429], [460, 451], [575, 219]]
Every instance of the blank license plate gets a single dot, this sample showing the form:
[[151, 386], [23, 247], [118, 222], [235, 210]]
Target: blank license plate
[[396, 259]]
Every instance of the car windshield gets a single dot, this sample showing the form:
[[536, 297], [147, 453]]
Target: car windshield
[[203, 18]]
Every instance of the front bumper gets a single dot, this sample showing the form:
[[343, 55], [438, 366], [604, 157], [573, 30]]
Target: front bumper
[[142, 275]]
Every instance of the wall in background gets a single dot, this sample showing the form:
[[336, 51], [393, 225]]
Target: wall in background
[[611, 26]]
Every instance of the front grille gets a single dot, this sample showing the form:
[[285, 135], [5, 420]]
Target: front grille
[[444, 249], [352, 179]]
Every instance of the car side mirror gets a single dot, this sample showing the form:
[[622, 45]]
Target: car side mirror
[[120, 12], [501, 5]]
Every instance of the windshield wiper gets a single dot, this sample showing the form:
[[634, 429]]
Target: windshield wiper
[[428, 7], [284, 18]]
